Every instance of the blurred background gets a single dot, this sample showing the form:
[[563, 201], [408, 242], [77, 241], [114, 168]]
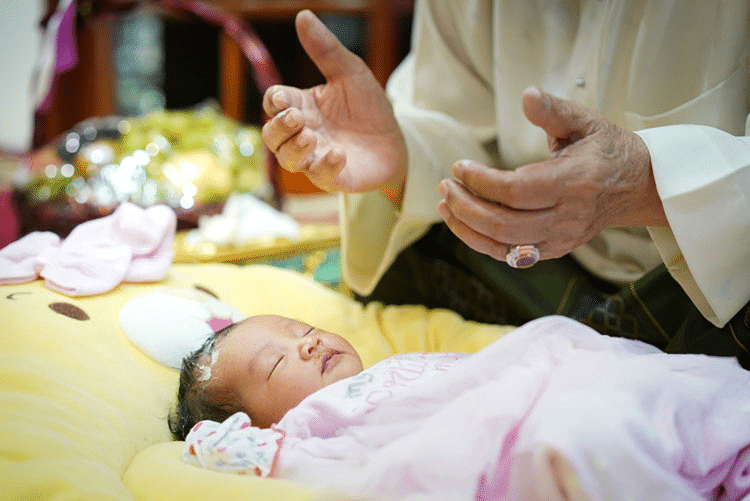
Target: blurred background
[[138, 59], [138, 56], [150, 56], [163, 105]]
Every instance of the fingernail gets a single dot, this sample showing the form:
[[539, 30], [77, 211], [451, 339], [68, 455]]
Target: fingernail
[[460, 166], [279, 99], [443, 209], [443, 187], [535, 89], [301, 141], [335, 157], [289, 119]]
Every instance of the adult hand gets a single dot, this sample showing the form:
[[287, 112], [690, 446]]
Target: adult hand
[[598, 175], [341, 134]]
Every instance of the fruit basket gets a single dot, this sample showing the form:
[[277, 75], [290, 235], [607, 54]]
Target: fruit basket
[[190, 160]]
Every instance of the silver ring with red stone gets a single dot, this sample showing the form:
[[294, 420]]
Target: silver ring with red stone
[[522, 256]]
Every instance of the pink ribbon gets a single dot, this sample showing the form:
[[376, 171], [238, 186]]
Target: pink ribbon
[[66, 51]]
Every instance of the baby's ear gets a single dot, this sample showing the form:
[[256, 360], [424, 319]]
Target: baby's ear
[[229, 407]]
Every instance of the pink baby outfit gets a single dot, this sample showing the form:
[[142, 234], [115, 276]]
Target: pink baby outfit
[[130, 245], [551, 411]]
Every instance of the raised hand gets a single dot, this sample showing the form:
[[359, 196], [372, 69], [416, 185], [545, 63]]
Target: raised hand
[[341, 134], [598, 175]]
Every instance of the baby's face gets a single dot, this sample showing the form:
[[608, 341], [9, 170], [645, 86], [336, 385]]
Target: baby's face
[[271, 363]]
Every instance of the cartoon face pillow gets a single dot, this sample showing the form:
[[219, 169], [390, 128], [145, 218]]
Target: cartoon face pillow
[[166, 323]]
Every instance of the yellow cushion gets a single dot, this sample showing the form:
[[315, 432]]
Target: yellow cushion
[[83, 411]]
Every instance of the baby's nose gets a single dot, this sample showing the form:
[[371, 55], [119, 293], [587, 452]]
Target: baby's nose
[[308, 347]]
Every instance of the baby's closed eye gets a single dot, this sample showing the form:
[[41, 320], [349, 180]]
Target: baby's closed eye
[[274, 367]]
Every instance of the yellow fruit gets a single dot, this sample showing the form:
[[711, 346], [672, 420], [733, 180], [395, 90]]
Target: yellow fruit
[[211, 181]]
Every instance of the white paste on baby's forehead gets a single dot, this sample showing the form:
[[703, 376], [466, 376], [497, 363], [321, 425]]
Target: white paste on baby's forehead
[[205, 370]]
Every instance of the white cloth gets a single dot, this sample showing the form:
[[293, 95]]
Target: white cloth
[[642, 64], [551, 408], [243, 219]]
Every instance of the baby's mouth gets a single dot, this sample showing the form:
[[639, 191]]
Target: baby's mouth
[[327, 359]]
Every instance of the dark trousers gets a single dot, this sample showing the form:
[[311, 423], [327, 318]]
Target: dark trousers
[[440, 271]]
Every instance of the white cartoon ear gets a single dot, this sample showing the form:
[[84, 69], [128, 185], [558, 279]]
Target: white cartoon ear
[[169, 324]]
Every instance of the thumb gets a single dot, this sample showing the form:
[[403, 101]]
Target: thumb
[[560, 118], [329, 55]]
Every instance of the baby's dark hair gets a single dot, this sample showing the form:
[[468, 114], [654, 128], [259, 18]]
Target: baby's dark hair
[[194, 402]]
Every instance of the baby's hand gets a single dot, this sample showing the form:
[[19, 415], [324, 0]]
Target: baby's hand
[[234, 446]]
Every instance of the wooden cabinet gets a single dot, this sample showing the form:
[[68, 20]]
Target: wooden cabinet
[[89, 89], [381, 51]]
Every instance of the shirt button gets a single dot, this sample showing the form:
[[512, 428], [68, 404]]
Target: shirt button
[[580, 82]]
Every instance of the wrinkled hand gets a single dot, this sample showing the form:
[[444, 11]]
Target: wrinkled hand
[[341, 134], [597, 176]]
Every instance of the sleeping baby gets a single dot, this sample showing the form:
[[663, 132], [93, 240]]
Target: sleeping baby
[[264, 366], [552, 410]]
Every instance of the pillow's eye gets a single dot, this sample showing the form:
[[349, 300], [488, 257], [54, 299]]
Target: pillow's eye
[[69, 310], [65, 309]]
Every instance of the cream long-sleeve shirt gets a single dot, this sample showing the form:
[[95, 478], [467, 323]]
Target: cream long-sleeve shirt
[[643, 64]]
